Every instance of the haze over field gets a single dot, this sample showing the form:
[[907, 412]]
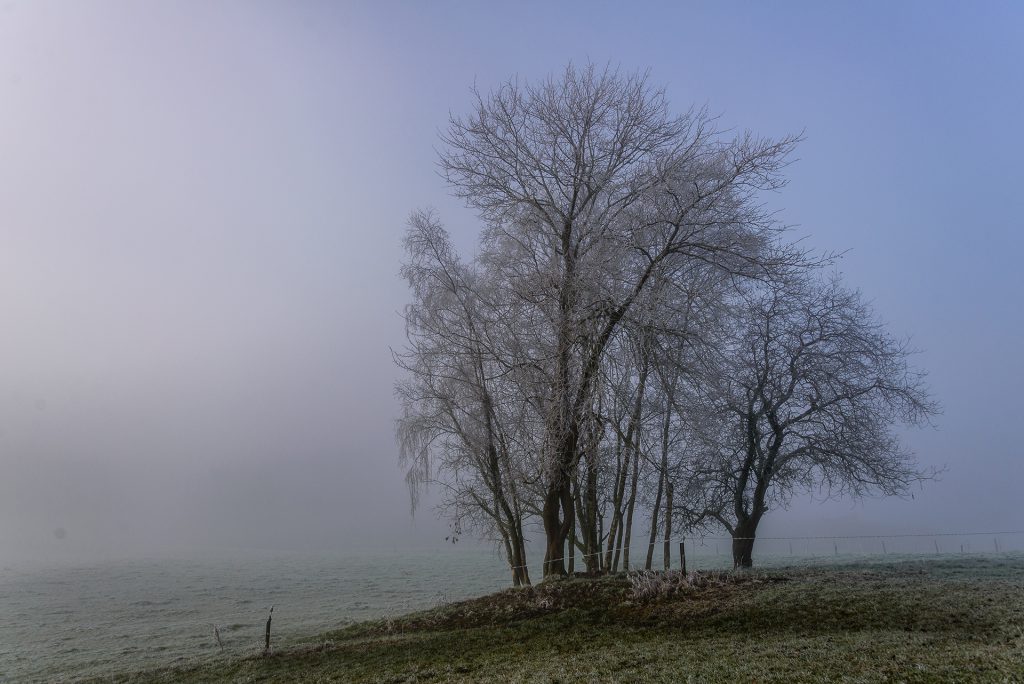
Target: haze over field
[[201, 211]]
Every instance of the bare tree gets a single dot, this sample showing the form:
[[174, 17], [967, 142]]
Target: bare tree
[[689, 309], [459, 417], [633, 335], [805, 395], [589, 188]]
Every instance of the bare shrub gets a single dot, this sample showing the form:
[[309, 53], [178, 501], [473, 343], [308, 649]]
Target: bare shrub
[[647, 585]]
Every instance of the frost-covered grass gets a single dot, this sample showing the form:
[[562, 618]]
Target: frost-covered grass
[[924, 621]]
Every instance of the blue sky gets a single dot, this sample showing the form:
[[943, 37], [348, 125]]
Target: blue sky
[[201, 207]]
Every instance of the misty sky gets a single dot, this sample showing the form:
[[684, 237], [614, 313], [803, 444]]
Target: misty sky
[[202, 204]]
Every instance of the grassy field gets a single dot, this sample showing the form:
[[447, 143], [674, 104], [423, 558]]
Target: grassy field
[[956, 620]]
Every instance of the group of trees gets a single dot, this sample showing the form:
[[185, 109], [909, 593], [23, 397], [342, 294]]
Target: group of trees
[[635, 340]]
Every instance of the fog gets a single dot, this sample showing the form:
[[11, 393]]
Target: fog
[[201, 211]]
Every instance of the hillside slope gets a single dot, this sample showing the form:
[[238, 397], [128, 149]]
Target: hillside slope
[[925, 621]]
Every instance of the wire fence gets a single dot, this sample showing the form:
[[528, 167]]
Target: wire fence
[[803, 547]]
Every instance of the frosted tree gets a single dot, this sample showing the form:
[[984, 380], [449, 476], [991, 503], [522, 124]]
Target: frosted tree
[[462, 425], [805, 395], [589, 189]]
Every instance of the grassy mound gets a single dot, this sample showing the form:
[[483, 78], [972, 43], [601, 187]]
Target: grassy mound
[[925, 621]]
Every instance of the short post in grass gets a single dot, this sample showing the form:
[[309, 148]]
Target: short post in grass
[[266, 646], [884, 552], [682, 554], [936, 541]]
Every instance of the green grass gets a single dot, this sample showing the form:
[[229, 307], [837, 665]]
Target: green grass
[[925, 621]]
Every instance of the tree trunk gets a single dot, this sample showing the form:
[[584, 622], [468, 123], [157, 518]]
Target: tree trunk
[[517, 555], [518, 541], [662, 479], [524, 572], [510, 554], [668, 526], [572, 550], [630, 507], [743, 543], [554, 547], [746, 523], [654, 521], [592, 533], [633, 450], [618, 550], [558, 517], [611, 558]]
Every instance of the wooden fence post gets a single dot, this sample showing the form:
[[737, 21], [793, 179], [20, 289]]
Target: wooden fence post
[[266, 647]]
